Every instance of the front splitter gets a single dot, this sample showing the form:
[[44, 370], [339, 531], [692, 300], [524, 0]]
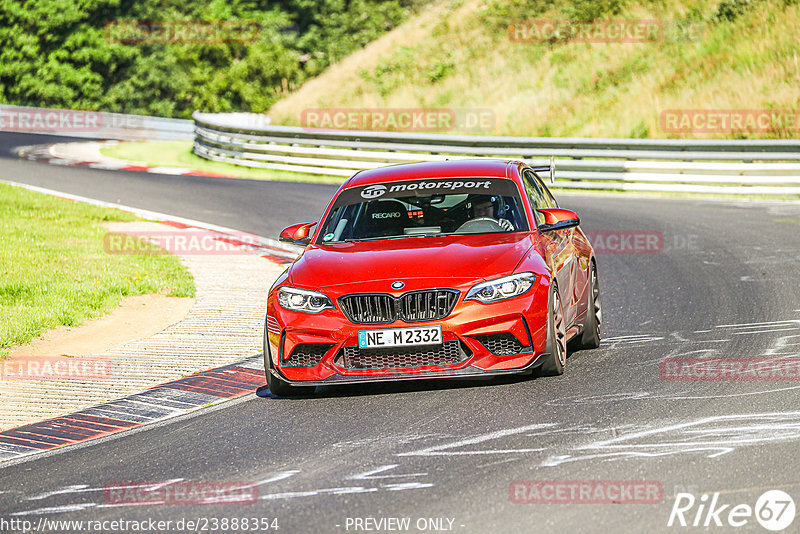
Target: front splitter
[[466, 372]]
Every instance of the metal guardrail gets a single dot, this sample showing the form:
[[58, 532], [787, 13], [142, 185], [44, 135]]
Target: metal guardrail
[[92, 124], [752, 167]]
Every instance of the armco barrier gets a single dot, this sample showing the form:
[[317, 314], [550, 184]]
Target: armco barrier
[[748, 167]]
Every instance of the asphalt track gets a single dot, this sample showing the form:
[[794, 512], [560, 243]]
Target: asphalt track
[[725, 284]]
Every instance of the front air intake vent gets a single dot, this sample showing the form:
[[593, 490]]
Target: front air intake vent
[[306, 355], [448, 353]]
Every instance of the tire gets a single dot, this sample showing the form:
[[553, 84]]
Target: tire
[[556, 349], [590, 337], [278, 387]]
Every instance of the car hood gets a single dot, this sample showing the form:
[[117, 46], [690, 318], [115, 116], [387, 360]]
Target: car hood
[[448, 261]]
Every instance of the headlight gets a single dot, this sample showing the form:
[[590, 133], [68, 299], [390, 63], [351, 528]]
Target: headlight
[[303, 300], [502, 288]]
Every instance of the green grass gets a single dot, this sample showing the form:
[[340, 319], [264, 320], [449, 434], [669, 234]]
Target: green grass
[[179, 154], [54, 271]]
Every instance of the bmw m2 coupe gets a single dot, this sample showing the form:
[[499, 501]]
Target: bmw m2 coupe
[[433, 270]]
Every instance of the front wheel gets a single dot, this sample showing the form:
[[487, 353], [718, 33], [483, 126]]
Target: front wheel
[[279, 388], [590, 338], [556, 349]]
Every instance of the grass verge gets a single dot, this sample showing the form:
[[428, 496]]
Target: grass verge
[[179, 154], [55, 272]]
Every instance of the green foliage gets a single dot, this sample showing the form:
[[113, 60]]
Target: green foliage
[[440, 69], [592, 9], [510, 11], [403, 66], [77, 54], [329, 30], [505, 12], [392, 71], [640, 131], [729, 10]]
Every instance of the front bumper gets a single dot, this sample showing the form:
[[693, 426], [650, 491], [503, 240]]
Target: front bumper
[[521, 321]]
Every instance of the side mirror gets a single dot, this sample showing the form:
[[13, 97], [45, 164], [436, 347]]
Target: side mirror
[[558, 219], [297, 233]]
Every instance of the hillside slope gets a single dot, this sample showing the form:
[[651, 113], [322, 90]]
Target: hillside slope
[[709, 55]]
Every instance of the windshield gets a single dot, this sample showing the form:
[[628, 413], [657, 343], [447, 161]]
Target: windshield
[[420, 208]]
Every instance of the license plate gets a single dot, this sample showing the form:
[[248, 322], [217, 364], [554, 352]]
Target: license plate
[[400, 337]]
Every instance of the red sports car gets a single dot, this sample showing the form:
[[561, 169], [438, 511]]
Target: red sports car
[[433, 270]]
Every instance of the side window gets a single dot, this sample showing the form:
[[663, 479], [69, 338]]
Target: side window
[[550, 199], [536, 195]]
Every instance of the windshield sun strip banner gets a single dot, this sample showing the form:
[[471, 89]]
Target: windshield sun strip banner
[[422, 188]]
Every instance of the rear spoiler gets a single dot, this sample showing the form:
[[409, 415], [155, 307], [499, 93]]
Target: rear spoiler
[[548, 168]]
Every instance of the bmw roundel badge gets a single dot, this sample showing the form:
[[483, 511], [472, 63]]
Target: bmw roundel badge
[[398, 285]]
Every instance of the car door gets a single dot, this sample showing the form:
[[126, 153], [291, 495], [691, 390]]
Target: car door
[[579, 265], [557, 244]]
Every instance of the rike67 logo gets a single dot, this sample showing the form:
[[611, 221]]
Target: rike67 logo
[[774, 510]]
